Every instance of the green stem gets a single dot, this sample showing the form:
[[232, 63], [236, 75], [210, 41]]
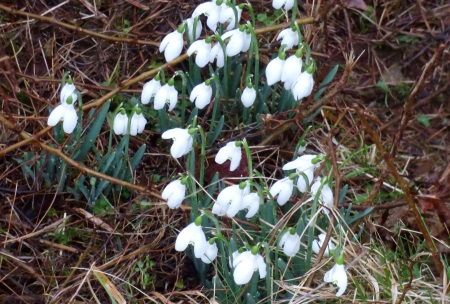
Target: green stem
[[202, 155]]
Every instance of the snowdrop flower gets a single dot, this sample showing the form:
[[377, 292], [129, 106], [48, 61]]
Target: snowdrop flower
[[182, 141], [65, 112], [120, 123], [302, 147], [292, 69], [239, 41], [201, 94], [290, 242], [227, 15], [149, 90], [337, 276], [232, 152], [174, 193], [190, 28], [68, 90], [229, 200], [217, 53], [303, 164], [288, 37], [251, 203], [283, 188], [288, 4], [172, 44], [248, 96], [210, 253], [166, 93], [202, 49], [192, 234], [245, 264], [138, 122], [303, 86], [326, 196], [274, 69], [317, 244], [211, 10]]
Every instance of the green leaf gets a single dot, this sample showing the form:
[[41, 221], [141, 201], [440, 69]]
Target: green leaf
[[424, 119], [212, 136]]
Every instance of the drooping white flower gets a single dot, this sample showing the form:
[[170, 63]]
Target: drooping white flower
[[239, 41], [230, 152], [245, 264], [337, 276], [290, 242], [211, 10], [137, 124], [283, 188], [326, 196], [251, 203], [201, 94], [68, 90], [229, 200], [182, 141], [167, 93], [304, 165], [149, 90], [210, 253], [172, 44], [202, 49], [317, 244], [120, 123], [303, 86], [289, 38], [273, 70], [190, 28], [248, 96], [66, 113], [227, 15], [292, 69], [288, 4], [192, 234], [217, 53], [174, 193]]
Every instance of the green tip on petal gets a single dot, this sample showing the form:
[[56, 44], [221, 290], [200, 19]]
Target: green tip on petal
[[282, 55], [292, 176], [310, 69], [69, 100], [208, 39], [211, 241], [208, 81], [238, 144], [122, 111], [255, 250], [69, 80], [219, 2], [292, 231], [171, 82], [242, 27], [340, 260], [184, 180], [157, 77], [242, 185], [198, 221], [192, 131], [181, 27], [138, 110], [242, 5], [299, 53], [249, 85]]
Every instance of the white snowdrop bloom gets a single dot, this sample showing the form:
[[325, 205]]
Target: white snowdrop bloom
[[149, 90], [211, 10], [273, 70], [303, 86], [137, 124], [283, 188], [68, 90], [292, 68], [229, 152], [190, 28], [251, 203], [289, 38], [302, 148], [290, 242], [229, 200], [210, 253], [66, 113], [182, 141], [245, 264], [192, 234], [172, 44], [174, 193], [337, 276], [120, 123], [326, 196], [288, 4], [202, 49], [248, 96], [217, 53], [201, 94], [227, 15], [166, 94], [238, 40], [303, 164], [317, 244]]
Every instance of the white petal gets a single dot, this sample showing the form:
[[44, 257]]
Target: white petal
[[235, 44], [184, 238], [283, 188], [303, 86], [172, 96], [120, 124], [213, 18], [247, 42], [301, 163], [149, 90], [250, 202], [244, 271], [273, 71], [199, 240], [217, 53], [66, 91], [288, 4], [248, 97], [173, 133], [55, 115], [173, 47], [261, 266], [190, 28], [223, 154], [160, 97], [70, 119], [194, 47], [203, 8], [210, 253], [292, 69]]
